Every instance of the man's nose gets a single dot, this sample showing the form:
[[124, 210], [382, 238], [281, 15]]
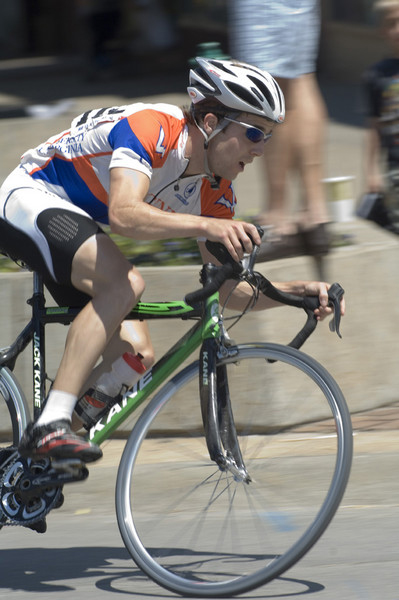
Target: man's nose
[[258, 149]]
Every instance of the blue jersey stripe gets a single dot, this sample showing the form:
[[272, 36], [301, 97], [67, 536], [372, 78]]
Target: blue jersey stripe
[[122, 136], [63, 173]]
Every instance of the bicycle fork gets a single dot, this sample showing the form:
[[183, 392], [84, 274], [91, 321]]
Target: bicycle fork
[[217, 414]]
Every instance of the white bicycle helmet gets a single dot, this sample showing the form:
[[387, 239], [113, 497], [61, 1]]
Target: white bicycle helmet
[[238, 86]]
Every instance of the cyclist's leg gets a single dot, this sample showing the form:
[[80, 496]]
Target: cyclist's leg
[[100, 270], [131, 336], [67, 245]]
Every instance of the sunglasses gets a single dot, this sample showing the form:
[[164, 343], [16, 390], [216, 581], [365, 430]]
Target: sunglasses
[[254, 134]]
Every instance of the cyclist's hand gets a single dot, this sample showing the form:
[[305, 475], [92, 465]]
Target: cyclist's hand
[[320, 289], [234, 235]]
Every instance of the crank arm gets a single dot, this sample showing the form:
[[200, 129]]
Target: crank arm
[[61, 473]]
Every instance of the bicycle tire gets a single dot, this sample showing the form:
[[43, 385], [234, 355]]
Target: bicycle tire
[[175, 531], [14, 412]]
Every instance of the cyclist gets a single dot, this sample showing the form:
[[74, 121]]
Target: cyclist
[[151, 172]]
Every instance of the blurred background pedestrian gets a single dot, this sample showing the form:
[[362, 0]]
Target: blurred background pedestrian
[[282, 37], [381, 82]]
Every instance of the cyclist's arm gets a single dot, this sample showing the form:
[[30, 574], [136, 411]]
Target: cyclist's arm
[[130, 216], [243, 293]]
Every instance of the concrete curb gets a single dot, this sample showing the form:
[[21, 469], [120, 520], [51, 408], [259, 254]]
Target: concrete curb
[[364, 362]]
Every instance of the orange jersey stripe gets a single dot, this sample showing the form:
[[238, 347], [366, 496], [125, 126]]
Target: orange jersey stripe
[[152, 128], [85, 170], [218, 203]]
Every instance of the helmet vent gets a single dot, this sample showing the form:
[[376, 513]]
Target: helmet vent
[[204, 75], [243, 94], [222, 67], [266, 93]]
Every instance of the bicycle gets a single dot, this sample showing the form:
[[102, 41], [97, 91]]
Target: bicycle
[[238, 499]]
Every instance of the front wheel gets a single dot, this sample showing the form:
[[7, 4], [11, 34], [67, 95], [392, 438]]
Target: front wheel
[[197, 530]]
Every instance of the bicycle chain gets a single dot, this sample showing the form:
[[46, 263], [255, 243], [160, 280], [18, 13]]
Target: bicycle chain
[[9, 491]]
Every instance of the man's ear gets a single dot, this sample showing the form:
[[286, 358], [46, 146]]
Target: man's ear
[[210, 122]]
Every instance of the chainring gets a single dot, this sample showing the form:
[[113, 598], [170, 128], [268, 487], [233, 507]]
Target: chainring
[[19, 503]]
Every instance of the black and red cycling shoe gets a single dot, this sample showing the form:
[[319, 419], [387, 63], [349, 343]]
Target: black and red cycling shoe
[[57, 440]]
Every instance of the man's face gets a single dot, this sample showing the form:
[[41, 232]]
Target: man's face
[[230, 150]]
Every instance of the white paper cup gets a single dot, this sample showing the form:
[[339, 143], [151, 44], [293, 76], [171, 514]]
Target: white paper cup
[[340, 197]]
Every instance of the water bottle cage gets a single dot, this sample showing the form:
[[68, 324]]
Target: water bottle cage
[[100, 401]]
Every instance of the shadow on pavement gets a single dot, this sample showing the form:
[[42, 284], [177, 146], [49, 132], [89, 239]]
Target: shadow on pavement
[[42, 569], [50, 570]]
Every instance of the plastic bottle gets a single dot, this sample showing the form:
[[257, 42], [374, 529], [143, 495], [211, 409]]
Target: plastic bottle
[[125, 372], [209, 50]]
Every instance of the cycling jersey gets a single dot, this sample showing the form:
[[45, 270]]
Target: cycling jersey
[[150, 138]]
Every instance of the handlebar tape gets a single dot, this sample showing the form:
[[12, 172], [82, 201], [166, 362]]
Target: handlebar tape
[[213, 278]]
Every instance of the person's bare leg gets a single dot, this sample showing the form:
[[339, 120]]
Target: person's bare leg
[[308, 138], [100, 270], [132, 336], [278, 157]]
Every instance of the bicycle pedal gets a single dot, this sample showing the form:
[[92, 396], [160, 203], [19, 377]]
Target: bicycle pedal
[[69, 465]]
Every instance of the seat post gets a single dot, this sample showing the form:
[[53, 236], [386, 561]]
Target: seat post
[[37, 283]]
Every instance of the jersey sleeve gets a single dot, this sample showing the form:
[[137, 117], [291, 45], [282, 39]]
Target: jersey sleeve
[[143, 140], [218, 203]]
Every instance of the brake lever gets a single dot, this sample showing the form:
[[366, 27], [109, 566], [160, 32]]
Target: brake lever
[[335, 294]]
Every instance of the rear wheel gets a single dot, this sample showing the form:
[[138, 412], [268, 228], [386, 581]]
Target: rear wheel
[[14, 413], [198, 531], [14, 416]]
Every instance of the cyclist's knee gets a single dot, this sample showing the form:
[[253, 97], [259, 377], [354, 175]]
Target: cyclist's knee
[[148, 356], [132, 291], [136, 281], [142, 345], [125, 289]]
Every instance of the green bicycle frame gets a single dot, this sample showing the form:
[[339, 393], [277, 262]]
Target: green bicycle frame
[[207, 327]]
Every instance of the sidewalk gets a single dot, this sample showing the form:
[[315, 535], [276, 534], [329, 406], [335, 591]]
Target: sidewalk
[[374, 431], [381, 419]]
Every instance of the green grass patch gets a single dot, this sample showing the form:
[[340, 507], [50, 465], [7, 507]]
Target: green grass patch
[[169, 252]]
